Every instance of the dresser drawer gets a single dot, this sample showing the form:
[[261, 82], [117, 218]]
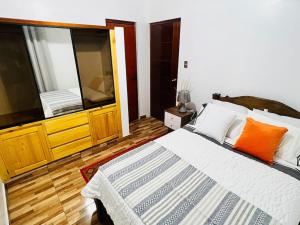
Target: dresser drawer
[[71, 148], [70, 135], [172, 121], [66, 122]]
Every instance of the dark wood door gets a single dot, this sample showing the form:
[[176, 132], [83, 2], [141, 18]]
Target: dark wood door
[[131, 67], [164, 49]]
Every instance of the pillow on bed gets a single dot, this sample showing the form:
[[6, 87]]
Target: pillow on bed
[[96, 83], [289, 148], [232, 107], [286, 119], [236, 128], [241, 114], [214, 122], [260, 139]]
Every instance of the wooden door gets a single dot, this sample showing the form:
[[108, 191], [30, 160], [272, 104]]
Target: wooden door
[[164, 49], [24, 150], [104, 125], [131, 64]]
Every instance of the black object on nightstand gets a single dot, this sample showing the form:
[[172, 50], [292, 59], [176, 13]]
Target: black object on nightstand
[[175, 119]]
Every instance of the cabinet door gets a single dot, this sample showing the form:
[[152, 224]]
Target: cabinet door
[[104, 125], [23, 150]]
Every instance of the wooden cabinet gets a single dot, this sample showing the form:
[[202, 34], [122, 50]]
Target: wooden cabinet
[[175, 120], [24, 150], [69, 134], [104, 125], [30, 146], [66, 122], [71, 148]]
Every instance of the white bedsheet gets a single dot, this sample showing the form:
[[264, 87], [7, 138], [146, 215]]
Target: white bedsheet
[[276, 193], [46, 108]]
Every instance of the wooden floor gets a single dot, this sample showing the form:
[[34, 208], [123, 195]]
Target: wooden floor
[[51, 195]]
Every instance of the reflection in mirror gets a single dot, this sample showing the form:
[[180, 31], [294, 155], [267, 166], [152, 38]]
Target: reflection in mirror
[[53, 62], [19, 97], [93, 54]]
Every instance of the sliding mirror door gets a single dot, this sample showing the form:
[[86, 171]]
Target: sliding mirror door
[[50, 71], [52, 56], [93, 55], [19, 96]]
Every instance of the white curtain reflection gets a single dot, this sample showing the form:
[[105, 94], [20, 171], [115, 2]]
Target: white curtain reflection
[[38, 50]]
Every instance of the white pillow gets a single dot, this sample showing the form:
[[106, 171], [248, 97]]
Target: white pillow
[[232, 107], [236, 128], [289, 148], [214, 122], [286, 119], [241, 113]]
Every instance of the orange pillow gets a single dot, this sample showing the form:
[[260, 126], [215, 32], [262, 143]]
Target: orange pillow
[[260, 139]]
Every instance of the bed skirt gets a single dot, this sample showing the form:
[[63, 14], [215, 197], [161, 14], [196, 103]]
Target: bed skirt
[[102, 215]]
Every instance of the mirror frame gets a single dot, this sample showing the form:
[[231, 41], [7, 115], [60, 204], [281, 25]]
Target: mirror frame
[[51, 24]]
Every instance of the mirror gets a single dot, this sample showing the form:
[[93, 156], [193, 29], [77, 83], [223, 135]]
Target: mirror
[[19, 97], [93, 56], [51, 71], [53, 62]]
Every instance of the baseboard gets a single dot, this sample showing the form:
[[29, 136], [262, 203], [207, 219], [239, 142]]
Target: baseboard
[[3, 206], [143, 117]]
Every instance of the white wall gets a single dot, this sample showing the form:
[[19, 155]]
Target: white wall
[[60, 54], [143, 68], [92, 12], [3, 206], [122, 80], [237, 47]]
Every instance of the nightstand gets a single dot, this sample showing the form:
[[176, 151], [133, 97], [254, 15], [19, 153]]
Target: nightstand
[[175, 119]]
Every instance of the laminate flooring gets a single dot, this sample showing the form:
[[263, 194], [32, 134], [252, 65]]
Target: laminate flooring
[[51, 194]]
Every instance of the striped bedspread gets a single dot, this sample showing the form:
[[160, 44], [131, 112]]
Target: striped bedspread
[[62, 101], [161, 188]]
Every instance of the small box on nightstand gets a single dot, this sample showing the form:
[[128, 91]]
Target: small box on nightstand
[[175, 119]]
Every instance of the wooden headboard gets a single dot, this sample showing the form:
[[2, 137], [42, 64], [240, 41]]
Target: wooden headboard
[[252, 102]]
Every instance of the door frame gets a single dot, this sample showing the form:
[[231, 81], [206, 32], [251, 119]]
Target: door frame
[[132, 23], [157, 23], [167, 21], [119, 21]]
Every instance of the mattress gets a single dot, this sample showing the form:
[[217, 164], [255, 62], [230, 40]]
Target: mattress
[[61, 102], [271, 190]]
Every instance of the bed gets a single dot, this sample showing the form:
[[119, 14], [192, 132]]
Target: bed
[[96, 96], [61, 102], [189, 178]]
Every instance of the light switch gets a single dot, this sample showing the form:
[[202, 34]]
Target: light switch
[[185, 64]]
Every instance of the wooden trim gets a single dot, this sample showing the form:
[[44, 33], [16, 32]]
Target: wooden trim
[[118, 21], [252, 102], [4, 176], [116, 80], [50, 24], [167, 21]]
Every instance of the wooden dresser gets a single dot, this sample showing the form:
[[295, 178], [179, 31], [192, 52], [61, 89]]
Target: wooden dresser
[[68, 135], [27, 147]]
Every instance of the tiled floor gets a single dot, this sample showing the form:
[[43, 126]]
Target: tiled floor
[[51, 195]]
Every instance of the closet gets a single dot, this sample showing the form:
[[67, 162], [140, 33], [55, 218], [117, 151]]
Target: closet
[[59, 92]]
